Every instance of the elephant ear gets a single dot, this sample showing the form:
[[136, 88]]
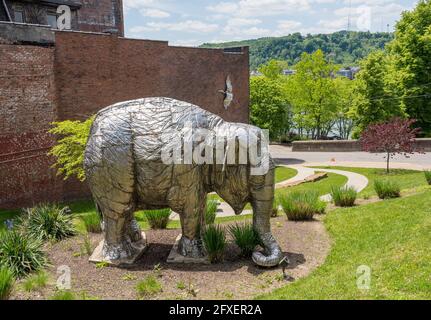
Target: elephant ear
[[258, 150]]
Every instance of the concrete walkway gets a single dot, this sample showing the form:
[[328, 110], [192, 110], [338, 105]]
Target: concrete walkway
[[354, 180], [357, 181]]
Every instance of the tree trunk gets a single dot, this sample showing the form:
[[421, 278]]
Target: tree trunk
[[387, 162]]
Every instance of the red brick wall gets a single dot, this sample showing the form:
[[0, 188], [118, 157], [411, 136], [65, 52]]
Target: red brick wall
[[101, 15], [94, 71], [27, 106], [82, 74]]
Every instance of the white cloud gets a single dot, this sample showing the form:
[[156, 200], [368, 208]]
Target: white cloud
[[154, 13], [186, 43], [240, 22], [182, 26], [136, 4], [258, 8], [286, 25], [223, 7]]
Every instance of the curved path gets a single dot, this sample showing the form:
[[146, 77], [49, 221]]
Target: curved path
[[355, 180]]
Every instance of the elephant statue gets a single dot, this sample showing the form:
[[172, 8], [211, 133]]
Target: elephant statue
[[127, 169]]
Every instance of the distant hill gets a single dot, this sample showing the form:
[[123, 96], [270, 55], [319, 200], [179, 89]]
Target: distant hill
[[345, 48]]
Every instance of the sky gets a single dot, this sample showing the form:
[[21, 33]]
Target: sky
[[193, 22]]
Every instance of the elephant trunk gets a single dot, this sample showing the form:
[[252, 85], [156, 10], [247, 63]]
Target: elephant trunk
[[272, 254], [262, 202]]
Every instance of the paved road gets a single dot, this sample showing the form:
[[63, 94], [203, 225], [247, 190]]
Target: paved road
[[284, 155]]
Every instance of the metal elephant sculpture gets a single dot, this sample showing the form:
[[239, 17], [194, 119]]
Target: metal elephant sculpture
[[126, 171]]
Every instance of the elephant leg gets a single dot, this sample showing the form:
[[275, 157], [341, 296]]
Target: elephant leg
[[192, 221], [123, 241], [115, 246], [133, 230]]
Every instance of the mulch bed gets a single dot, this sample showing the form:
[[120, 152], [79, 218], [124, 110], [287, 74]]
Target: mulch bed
[[305, 243]]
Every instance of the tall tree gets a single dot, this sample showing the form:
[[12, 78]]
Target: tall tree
[[273, 68], [268, 105], [412, 51], [344, 121], [312, 93], [374, 100]]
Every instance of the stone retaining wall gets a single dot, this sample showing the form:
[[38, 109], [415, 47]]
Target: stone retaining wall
[[344, 146]]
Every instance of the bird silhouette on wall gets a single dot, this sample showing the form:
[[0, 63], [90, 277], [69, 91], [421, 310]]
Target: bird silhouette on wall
[[228, 93]]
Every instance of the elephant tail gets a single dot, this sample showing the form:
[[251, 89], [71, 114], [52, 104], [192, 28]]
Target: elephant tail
[[272, 255]]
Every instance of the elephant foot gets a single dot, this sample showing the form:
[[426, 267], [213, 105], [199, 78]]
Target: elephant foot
[[124, 253], [188, 251], [191, 248]]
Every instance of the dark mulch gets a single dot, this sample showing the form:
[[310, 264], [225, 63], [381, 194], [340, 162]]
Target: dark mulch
[[305, 243]]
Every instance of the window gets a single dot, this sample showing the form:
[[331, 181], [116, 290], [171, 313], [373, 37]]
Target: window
[[18, 15], [52, 20]]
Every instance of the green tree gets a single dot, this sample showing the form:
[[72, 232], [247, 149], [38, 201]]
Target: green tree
[[273, 68], [412, 59], [268, 105], [70, 147], [374, 100], [344, 121], [312, 93]]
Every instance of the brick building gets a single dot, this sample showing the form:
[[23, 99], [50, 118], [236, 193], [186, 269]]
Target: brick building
[[87, 15], [49, 75]]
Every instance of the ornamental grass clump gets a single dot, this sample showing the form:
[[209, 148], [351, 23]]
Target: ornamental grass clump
[[7, 281], [92, 222], [387, 189], [47, 222], [214, 239], [427, 174], [301, 206], [158, 219], [343, 196], [21, 253], [35, 282], [245, 237], [148, 287], [211, 211]]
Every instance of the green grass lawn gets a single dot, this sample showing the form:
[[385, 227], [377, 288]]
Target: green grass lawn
[[392, 237], [407, 179], [322, 186], [281, 174], [284, 173]]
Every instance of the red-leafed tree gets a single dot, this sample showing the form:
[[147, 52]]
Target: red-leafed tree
[[393, 137]]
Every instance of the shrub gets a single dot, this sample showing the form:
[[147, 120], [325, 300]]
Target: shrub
[[21, 253], [148, 287], [63, 295], [6, 283], [344, 196], [47, 222], [214, 239], [300, 206], [36, 281], [245, 237], [92, 222], [387, 189], [211, 211], [158, 219], [428, 176], [69, 150]]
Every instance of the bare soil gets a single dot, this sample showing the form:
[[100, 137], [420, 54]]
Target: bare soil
[[305, 243]]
